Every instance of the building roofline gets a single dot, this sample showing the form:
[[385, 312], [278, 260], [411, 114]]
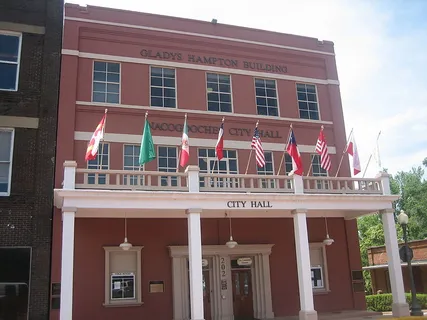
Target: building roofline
[[319, 43], [400, 243]]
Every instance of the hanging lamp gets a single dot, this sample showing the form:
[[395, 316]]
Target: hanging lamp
[[125, 245], [230, 243], [328, 241]]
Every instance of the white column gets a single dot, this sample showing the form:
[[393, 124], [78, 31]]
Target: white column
[[267, 285], [195, 264], [193, 178], [399, 307], [67, 264], [69, 181], [298, 184], [307, 311]]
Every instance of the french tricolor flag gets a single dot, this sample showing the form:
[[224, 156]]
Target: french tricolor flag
[[219, 148]]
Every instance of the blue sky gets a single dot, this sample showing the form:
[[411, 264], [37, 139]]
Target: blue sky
[[381, 53]]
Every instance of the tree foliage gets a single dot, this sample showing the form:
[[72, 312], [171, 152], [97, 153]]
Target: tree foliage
[[412, 188]]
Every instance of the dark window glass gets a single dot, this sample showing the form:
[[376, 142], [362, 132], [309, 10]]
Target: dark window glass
[[218, 89], [307, 100], [266, 89]]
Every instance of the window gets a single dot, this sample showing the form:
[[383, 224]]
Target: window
[[106, 82], [10, 55], [267, 170], [219, 92], [208, 163], [131, 162], [167, 162], [100, 163], [163, 93], [318, 171], [319, 275], [6, 154], [123, 276], [307, 101], [266, 97]]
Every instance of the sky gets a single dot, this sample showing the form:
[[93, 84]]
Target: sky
[[381, 55]]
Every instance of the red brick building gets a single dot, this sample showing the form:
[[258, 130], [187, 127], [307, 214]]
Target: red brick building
[[179, 222], [378, 268]]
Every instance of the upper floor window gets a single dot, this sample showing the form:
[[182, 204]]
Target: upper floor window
[[131, 162], [163, 92], [6, 154], [307, 101], [106, 82], [318, 171], [101, 162], [218, 87], [208, 163], [266, 97], [10, 53], [167, 162]]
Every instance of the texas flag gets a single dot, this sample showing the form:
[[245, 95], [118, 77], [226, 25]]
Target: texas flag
[[219, 148], [98, 135], [293, 151], [352, 150]]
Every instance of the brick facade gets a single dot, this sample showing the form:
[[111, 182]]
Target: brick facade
[[26, 215]]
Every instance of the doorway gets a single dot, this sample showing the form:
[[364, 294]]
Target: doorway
[[242, 291], [206, 294]]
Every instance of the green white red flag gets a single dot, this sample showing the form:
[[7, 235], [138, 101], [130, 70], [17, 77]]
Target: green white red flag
[[185, 145]]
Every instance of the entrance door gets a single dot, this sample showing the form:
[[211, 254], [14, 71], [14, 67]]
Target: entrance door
[[242, 294], [206, 295]]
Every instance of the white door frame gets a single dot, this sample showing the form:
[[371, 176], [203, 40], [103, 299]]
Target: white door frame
[[221, 285]]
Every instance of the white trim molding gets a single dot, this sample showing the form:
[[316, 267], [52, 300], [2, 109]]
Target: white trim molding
[[172, 64], [195, 34], [195, 142], [204, 112]]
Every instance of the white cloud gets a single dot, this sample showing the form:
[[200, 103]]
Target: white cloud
[[381, 72]]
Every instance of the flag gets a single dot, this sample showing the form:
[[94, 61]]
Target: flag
[[352, 150], [185, 151], [98, 135], [219, 148], [322, 149], [376, 152], [147, 151], [259, 151], [293, 151]]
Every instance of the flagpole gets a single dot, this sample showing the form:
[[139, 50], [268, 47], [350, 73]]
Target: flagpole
[[311, 158], [223, 118], [250, 153], [284, 151], [146, 115], [343, 152], [102, 149]]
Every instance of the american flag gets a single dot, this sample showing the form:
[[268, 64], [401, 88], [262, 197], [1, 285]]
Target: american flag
[[322, 149], [259, 151]]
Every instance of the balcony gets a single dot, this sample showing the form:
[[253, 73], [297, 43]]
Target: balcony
[[208, 182], [153, 194]]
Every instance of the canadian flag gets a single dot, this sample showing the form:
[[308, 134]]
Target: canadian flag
[[98, 135], [352, 150]]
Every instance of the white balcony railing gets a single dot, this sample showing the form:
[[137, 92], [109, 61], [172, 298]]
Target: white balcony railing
[[194, 181]]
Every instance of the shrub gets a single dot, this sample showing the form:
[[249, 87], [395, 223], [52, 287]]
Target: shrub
[[383, 302]]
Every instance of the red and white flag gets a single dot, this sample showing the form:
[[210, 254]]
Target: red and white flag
[[293, 151], [322, 149], [352, 150], [98, 135], [185, 145], [219, 148]]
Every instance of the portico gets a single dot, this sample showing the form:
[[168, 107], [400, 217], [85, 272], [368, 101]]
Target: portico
[[199, 196]]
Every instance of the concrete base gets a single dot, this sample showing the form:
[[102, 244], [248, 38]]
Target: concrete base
[[400, 309], [308, 315]]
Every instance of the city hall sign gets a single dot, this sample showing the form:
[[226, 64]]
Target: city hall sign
[[214, 61], [233, 131]]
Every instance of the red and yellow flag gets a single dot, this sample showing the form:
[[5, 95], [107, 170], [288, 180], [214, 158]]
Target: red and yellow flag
[[98, 135]]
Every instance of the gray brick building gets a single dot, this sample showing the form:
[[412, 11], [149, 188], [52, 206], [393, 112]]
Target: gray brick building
[[30, 48]]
